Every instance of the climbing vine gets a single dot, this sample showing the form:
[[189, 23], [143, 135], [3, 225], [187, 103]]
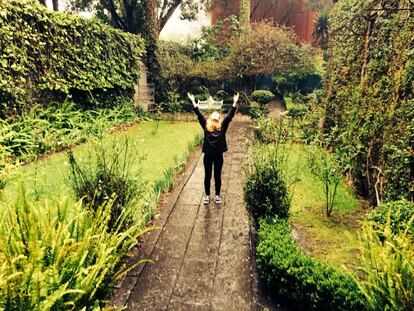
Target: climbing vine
[[45, 54], [369, 113]]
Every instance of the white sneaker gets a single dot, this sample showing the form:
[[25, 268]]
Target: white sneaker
[[218, 199], [206, 199]]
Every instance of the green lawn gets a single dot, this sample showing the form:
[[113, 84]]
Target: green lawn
[[333, 240], [49, 178]]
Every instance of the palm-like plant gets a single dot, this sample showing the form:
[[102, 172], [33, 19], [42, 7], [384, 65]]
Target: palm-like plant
[[321, 30]]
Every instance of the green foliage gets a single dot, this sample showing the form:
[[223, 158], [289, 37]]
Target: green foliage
[[302, 280], [109, 179], [298, 111], [270, 130], [388, 266], [257, 111], [262, 96], [321, 30], [267, 49], [265, 190], [393, 215], [47, 54], [215, 41], [43, 130], [326, 169], [369, 104], [222, 57], [57, 255]]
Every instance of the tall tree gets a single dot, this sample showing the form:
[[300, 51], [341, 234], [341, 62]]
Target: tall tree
[[244, 16], [131, 15], [321, 29], [55, 4]]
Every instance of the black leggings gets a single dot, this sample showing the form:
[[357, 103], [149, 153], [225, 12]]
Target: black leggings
[[208, 166]]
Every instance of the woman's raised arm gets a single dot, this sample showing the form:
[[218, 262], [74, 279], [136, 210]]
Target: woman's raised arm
[[200, 117]]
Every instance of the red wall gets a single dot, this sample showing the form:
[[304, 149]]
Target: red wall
[[289, 13]]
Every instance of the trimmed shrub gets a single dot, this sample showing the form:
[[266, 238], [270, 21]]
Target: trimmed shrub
[[109, 179], [262, 96], [397, 213], [302, 280], [256, 111], [48, 55], [265, 191]]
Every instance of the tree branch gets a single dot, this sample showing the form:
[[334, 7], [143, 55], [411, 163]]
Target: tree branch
[[164, 19], [115, 16]]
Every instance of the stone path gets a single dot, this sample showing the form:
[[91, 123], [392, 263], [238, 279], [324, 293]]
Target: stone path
[[202, 255]]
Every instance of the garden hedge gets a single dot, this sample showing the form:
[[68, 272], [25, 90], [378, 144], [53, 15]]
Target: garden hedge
[[303, 281], [46, 55]]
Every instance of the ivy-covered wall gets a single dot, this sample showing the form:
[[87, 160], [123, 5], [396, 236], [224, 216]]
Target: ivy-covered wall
[[46, 55], [370, 95]]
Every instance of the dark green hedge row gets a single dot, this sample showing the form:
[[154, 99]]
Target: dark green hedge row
[[302, 280], [45, 53]]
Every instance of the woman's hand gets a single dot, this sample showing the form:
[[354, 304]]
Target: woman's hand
[[236, 99], [192, 98]]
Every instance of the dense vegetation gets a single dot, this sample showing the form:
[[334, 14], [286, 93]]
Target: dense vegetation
[[46, 56], [67, 254], [223, 60], [40, 130], [370, 105]]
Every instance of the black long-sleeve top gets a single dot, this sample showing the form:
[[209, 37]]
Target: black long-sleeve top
[[215, 142]]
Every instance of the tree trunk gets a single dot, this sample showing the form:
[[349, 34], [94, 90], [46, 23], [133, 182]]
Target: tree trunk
[[244, 16], [42, 2], [55, 5], [164, 19], [151, 40]]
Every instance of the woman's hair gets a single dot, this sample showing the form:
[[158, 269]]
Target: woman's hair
[[213, 124]]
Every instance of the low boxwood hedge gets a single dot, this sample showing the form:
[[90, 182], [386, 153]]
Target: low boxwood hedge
[[302, 280]]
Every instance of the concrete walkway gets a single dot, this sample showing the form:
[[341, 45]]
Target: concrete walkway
[[201, 253]]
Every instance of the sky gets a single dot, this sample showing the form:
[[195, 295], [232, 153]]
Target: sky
[[179, 30], [175, 29]]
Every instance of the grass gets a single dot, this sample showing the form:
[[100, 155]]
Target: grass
[[333, 240], [49, 178], [289, 102]]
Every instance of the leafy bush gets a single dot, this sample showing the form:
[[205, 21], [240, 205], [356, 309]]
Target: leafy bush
[[304, 281], [397, 213], [270, 130], [256, 111], [298, 111], [110, 179], [388, 266], [41, 57], [265, 190], [262, 96], [57, 255]]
